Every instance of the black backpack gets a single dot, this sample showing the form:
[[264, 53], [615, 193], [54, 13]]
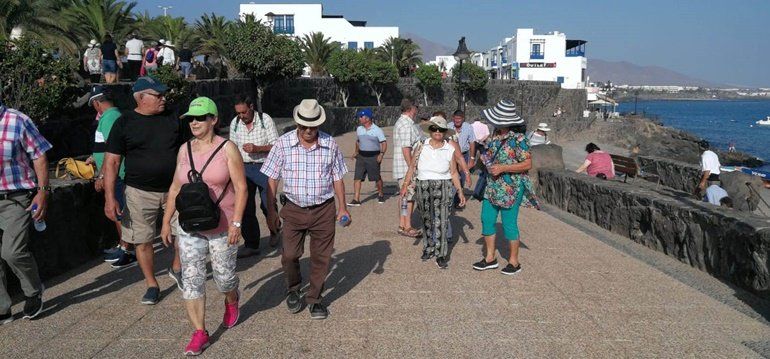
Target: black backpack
[[197, 211]]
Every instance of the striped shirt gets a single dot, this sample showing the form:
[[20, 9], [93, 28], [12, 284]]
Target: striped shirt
[[308, 174], [21, 143], [258, 135], [405, 134]]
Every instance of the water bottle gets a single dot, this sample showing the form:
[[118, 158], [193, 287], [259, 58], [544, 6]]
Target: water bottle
[[344, 221], [39, 225], [404, 208]]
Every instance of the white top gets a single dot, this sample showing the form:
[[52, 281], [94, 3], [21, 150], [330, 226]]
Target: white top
[[715, 193], [434, 163], [134, 47], [709, 161], [168, 56], [537, 139]]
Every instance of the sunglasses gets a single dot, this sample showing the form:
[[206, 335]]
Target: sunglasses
[[437, 129], [203, 118], [156, 95], [307, 128]]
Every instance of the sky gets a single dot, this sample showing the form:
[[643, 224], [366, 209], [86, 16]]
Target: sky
[[726, 42]]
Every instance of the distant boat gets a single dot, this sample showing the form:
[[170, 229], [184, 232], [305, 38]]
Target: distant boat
[[765, 175], [765, 122]]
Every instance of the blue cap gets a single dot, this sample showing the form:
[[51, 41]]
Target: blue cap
[[96, 92], [149, 83], [364, 112]]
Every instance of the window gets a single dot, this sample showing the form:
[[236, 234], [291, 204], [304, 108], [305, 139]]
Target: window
[[283, 24], [537, 51], [369, 45], [352, 45]]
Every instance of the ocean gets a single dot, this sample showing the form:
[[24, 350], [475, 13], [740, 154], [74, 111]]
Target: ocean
[[718, 121]]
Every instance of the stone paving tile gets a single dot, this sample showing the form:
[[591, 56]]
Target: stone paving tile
[[576, 297]]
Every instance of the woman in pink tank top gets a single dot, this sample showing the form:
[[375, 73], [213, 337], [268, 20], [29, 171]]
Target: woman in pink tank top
[[597, 163], [225, 177]]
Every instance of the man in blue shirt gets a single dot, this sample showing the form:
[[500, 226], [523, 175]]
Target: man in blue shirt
[[370, 148]]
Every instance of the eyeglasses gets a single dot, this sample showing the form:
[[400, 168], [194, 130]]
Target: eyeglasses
[[433, 128], [156, 95], [307, 128]]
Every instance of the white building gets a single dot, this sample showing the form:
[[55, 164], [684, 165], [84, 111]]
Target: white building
[[532, 57], [445, 63], [299, 19]]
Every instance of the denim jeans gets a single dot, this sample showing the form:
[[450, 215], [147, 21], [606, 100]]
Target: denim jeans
[[255, 181]]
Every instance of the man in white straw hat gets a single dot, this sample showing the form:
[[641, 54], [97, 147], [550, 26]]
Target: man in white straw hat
[[92, 61], [540, 135], [311, 166]]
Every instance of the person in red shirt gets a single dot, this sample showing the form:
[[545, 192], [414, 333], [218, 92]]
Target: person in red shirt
[[597, 162]]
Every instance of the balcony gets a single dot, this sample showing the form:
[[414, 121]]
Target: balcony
[[536, 56], [494, 63], [286, 30], [504, 61], [576, 48]]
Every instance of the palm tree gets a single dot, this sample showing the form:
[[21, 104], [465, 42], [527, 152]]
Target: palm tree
[[84, 20], [38, 18], [317, 50], [404, 53], [173, 29], [211, 29]]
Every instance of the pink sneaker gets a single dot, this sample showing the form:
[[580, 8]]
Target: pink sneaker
[[198, 342], [231, 313]]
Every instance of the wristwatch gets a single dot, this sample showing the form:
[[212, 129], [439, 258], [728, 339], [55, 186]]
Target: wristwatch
[[473, 158], [236, 224]]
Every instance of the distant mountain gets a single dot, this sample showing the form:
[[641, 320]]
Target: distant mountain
[[429, 48], [626, 73]]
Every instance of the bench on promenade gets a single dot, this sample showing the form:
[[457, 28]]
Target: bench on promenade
[[629, 168]]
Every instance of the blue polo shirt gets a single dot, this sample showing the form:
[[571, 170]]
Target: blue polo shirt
[[464, 137], [369, 140]]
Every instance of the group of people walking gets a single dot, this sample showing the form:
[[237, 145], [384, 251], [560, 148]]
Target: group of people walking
[[177, 174], [105, 60]]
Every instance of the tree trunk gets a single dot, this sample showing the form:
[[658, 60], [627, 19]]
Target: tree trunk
[[258, 99], [344, 95], [425, 97], [379, 95]]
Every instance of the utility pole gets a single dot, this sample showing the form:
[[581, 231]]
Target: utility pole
[[165, 9]]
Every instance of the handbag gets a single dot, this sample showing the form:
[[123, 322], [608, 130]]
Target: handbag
[[75, 168], [481, 183]]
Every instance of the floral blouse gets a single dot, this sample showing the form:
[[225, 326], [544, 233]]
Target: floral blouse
[[502, 191]]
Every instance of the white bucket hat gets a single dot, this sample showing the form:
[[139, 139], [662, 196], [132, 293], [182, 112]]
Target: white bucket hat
[[542, 126], [309, 113], [439, 122], [92, 42]]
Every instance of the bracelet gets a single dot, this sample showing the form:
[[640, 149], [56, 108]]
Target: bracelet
[[473, 158], [44, 188]]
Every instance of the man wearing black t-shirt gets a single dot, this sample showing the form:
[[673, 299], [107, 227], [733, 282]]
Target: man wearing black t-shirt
[[185, 61], [148, 138]]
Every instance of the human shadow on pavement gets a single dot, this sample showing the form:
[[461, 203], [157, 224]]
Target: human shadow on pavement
[[347, 270], [110, 282]]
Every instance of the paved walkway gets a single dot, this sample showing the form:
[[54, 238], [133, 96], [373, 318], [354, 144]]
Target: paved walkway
[[576, 297]]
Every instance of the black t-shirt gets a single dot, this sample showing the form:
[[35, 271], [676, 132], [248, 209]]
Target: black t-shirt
[[185, 55], [108, 51], [149, 145]]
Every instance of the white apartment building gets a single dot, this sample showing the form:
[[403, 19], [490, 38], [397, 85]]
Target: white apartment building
[[445, 63], [296, 20], [532, 57]]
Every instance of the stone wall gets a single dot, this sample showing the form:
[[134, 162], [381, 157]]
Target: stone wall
[[730, 245]]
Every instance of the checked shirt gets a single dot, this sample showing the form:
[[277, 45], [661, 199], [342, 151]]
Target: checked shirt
[[21, 143], [405, 134], [259, 135], [308, 174]]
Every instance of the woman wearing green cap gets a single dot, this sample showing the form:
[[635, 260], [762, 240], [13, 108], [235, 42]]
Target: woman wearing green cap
[[220, 165]]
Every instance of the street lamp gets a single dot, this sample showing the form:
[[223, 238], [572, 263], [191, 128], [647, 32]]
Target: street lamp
[[462, 54], [165, 9]]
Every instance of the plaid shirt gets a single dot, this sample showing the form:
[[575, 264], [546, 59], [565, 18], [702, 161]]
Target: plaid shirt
[[258, 135], [308, 174], [405, 134], [21, 143]]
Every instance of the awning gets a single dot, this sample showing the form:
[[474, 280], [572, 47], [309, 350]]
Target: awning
[[600, 102]]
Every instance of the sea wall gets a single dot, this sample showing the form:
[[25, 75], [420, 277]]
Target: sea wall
[[728, 244]]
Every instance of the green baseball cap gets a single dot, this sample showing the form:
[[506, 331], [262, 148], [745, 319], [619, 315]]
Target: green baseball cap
[[201, 106]]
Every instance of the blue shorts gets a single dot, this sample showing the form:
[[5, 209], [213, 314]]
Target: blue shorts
[[109, 66]]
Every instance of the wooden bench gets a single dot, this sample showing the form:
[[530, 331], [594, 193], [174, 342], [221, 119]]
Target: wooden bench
[[629, 168]]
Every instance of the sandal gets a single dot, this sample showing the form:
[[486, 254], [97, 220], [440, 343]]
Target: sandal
[[411, 232]]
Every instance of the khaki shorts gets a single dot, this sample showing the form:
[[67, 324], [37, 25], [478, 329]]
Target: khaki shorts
[[143, 214]]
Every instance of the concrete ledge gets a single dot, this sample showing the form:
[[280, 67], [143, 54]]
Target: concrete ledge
[[728, 244]]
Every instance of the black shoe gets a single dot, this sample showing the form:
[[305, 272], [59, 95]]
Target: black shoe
[[426, 255], [441, 262], [177, 277], [483, 265], [33, 306], [125, 260], [6, 318], [294, 302], [318, 311], [152, 296], [354, 203], [380, 199], [511, 270], [245, 252]]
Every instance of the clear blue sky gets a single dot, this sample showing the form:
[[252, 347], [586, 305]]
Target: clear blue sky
[[720, 41]]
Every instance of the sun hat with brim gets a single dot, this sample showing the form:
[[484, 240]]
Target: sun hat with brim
[[439, 122], [201, 106], [480, 130], [542, 126], [92, 42], [149, 83], [503, 114], [96, 92], [309, 113]]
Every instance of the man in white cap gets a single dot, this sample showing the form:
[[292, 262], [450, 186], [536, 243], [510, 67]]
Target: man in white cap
[[311, 166], [540, 135]]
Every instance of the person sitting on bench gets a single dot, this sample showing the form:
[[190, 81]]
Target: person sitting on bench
[[597, 161]]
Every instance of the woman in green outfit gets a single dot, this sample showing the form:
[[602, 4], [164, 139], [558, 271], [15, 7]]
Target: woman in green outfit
[[507, 159]]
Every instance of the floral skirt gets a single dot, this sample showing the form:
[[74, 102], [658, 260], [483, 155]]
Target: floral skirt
[[434, 201]]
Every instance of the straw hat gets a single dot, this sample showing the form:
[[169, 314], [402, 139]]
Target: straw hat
[[503, 114], [309, 113], [439, 122], [542, 126]]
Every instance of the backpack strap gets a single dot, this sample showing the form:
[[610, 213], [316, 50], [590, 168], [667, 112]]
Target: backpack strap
[[212, 156], [224, 190], [195, 173]]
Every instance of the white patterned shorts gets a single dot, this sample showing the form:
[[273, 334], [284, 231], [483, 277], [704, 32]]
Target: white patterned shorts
[[193, 250]]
